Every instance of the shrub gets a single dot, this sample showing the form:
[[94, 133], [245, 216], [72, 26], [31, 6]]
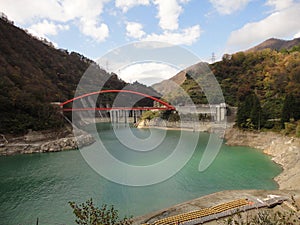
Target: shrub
[[88, 214]]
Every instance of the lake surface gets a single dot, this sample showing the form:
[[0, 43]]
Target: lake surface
[[40, 185]]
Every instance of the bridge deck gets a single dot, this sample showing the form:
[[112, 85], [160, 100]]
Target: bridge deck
[[115, 108]]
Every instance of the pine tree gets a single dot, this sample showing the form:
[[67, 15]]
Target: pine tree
[[290, 109], [286, 110], [249, 112], [256, 112]]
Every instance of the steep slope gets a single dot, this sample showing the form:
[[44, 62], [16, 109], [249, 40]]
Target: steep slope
[[32, 75], [35, 67], [178, 90], [167, 86]]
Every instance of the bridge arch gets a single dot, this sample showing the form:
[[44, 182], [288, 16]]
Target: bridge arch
[[167, 105]]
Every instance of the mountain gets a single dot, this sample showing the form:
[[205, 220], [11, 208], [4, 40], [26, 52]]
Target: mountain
[[167, 86], [33, 74], [276, 44], [174, 89], [270, 74]]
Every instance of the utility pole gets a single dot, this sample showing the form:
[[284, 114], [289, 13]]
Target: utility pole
[[213, 57]]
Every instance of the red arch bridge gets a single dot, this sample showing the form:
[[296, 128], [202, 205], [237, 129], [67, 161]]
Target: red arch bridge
[[115, 112]]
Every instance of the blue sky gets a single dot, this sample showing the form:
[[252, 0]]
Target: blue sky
[[94, 27]]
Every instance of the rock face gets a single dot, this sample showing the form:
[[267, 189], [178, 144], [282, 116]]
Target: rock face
[[284, 151], [36, 143]]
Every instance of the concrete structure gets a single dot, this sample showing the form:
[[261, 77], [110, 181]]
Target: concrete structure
[[124, 116], [216, 112]]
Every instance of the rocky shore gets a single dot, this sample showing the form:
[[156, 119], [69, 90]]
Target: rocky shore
[[284, 151], [44, 141]]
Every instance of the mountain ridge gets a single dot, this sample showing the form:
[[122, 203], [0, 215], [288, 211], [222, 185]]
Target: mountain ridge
[[166, 87], [275, 44], [269, 74]]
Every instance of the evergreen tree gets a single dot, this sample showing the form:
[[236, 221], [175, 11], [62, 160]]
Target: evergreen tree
[[242, 114], [256, 112], [290, 109], [249, 112], [286, 109]]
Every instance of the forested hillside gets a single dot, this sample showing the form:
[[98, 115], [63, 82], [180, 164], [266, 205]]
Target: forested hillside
[[270, 75], [260, 80], [33, 74]]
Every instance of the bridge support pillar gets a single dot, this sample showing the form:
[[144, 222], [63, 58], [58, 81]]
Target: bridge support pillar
[[125, 116], [112, 116], [221, 112], [134, 116], [118, 115]]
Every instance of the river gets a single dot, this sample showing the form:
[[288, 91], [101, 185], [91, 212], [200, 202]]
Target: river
[[40, 185]]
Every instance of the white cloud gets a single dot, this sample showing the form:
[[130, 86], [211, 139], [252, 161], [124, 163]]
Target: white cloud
[[227, 7], [45, 28], [184, 1], [279, 4], [148, 73], [186, 36], [134, 30], [297, 35], [82, 8], [282, 24], [26, 11], [88, 12], [85, 13], [168, 13], [90, 28], [125, 5]]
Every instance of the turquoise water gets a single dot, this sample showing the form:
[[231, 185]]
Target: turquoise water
[[40, 185]]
